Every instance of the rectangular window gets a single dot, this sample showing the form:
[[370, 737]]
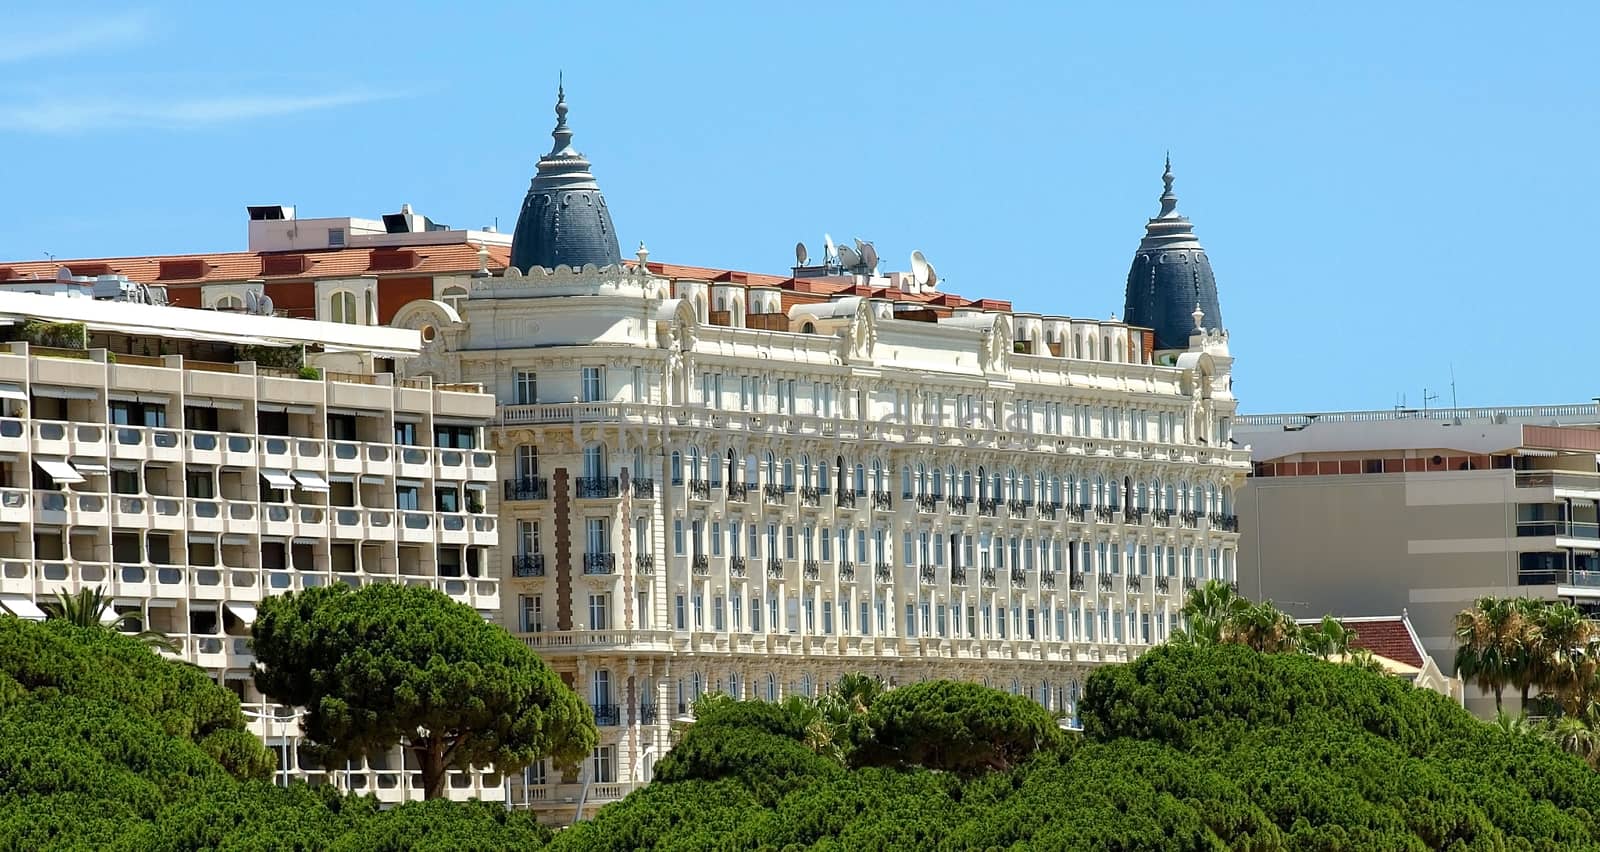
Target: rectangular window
[[755, 614], [866, 619], [736, 608], [699, 611], [717, 610], [680, 619], [599, 537], [605, 765], [773, 624], [788, 542], [526, 387], [593, 385], [827, 617], [532, 613], [600, 612], [716, 538], [677, 536], [910, 627]]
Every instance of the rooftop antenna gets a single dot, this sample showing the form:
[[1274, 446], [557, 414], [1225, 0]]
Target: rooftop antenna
[[830, 253], [1453, 403], [1427, 398]]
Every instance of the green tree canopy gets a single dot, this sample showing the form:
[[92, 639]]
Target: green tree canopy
[[958, 727], [390, 664]]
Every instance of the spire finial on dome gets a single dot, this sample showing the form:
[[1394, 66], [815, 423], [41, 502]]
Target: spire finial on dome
[[562, 133], [1169, 202], [1199, 317]]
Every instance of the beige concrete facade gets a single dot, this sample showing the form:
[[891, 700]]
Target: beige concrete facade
[[1349, 516]]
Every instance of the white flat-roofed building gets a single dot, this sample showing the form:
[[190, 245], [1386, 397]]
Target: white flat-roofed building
[[754, 484], [150, 451]]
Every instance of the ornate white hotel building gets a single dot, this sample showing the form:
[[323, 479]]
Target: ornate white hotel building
[[731, 482], [155, 457]]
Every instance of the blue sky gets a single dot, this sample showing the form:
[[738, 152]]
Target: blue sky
[[1386, 191]]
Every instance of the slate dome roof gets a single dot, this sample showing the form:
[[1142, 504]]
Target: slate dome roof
[[564, 219], [1170, 276]]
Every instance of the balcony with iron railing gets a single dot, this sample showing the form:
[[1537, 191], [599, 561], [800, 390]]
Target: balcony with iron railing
[[527, 565], [775, 568], [1189, 520], [607, 715], [1163, 584], [987, 576], [882, 573], [1078, 512], [736, 566], [1075, 581], [847, 571], [845, 499], [882, 500], [926, 574], [1161, 516], [812, 570], [599, 563], [596, 487], [1017, 508], [1135, 583], [927, 502], [1047, 579], [958, 575], [699, 489], [1047, 511], [958, 505], [648, 714], [1136, 514], [1105, 514], [810, 496], [988, 507], [1106, 582], [1019, 577], [700, 564], [645, 563], [738, 492], [772, 492], [643, 489], [1190, 584], [527, 488]]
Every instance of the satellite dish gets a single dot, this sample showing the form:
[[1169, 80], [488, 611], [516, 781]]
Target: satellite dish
[[920, 269], [250, 301], [933, 279], [264, 305], [800, 254], [848, 257], [869, 255], [828, 250]]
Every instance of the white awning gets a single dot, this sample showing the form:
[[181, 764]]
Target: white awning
[[22, 607], [235, 539], [146, 398], [89, 467], [58, 470], [65, 393], [346, 478], [310, 480], [277, 478], [245, 612], [11, 391], [213, 402]]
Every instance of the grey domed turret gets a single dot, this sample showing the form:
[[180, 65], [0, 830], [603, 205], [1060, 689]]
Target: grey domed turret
[[1170, 276], [564, 219]]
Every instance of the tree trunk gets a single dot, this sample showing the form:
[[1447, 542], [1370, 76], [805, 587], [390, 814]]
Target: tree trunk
[[1497, 690], [430, 755]]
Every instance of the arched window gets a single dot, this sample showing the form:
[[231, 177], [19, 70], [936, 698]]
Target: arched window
[[1227, 500], [772, 687], [1099, 491], [861, 479], [772, 467], [877, 476], [344, 307], [983, 484], [372, 309], [230, 303], [696, 686], [676, 463], [751, 472], [805, 470], [454, 296], [788, 474], [695, 470], [734, 685], [600, 688], [808, 328], [905, 481]]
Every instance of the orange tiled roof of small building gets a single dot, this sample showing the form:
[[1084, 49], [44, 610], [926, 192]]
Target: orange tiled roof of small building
[[1386, 636], [242, 266]]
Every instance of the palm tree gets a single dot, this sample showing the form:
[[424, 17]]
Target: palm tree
[[1328, 639], [1490, 638], [1263, 627], [1563, 654], [1211, 611], [1513, 726], [93, 608], [1577, 736], [1529, 666]]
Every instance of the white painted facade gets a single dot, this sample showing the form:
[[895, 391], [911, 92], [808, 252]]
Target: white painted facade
[[189, 483], [691, 507]]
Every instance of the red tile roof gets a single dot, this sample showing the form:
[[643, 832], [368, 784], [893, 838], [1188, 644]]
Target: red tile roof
[[453, 258], [1386, 636]]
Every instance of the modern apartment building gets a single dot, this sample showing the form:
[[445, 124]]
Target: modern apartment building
[[754, 484], [1424, 511], [151, 451]]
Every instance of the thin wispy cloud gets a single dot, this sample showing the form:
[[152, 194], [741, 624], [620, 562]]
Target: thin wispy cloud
[[70, 115], [84, 33]]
